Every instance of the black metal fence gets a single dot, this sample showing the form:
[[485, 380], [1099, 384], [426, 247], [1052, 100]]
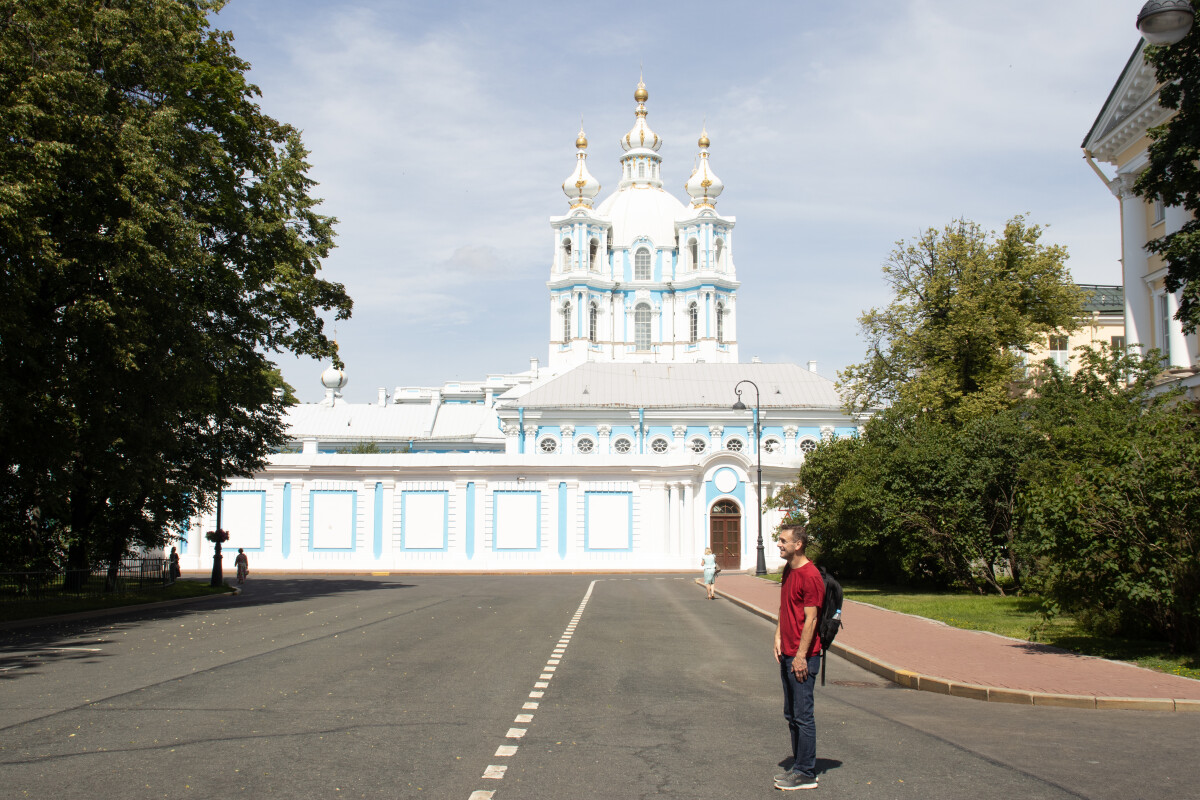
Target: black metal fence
[[131, 576]]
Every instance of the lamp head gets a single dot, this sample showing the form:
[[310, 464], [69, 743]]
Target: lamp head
[[739, 405], [1165, 21]]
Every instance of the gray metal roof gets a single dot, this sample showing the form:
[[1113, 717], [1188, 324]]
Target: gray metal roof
[[611, 385], [397, 422], [1109, 299]]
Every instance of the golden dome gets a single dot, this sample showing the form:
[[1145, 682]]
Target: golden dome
[[581, 142], [703, 140], [641, 95]]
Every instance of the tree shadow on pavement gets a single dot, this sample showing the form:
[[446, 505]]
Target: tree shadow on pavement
[[48, 641]]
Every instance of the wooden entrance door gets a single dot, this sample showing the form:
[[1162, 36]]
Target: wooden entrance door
[[725, 534]]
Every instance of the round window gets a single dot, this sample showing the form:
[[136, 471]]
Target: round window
[[807, 446], [585, 445], [622, 445], [548, 445], [735, 445], [660, 445], [771, 445], [697, 445]]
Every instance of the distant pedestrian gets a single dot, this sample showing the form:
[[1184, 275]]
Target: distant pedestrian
[[243, 565], [709, 562], [798, 651], [175, 573]]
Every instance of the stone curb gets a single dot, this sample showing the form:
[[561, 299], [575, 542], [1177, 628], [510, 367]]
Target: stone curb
[[115, 611], [994, 694]]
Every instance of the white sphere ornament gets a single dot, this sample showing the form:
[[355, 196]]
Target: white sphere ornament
[[334, 378]]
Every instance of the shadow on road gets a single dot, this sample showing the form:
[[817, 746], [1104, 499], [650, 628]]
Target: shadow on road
[[23, 650]]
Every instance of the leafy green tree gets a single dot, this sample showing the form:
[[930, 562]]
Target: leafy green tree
[[1113, 500], [159, 243], [966, 310], [917, 499], [1173, 173]]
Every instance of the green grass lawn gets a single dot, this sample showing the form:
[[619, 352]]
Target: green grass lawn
[[12, 611], [1019, 618]]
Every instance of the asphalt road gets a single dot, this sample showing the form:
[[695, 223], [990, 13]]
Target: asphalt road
[[418, 686]]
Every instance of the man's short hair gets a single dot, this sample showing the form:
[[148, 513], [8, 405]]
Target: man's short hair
[[799, 533]]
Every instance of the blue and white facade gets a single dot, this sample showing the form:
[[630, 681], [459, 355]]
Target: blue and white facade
[[623, 453]]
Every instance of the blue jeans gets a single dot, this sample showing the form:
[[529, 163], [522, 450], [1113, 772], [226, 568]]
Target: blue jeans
[[798, 711]]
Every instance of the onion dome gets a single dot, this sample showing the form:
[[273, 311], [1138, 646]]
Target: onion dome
[[640, 136], [334, 378], [703, 187], [580, 187]]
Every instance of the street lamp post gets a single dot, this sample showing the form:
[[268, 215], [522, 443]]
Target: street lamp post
[[761, 567]]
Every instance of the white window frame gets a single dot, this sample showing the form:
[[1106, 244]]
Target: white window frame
[[585, 440], [643, 271], [550, 440], [1162, 312], [616, 445], [642, 328], [666, 445]]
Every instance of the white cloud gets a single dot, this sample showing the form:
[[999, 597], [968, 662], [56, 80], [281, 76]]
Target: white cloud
[[440, 135]]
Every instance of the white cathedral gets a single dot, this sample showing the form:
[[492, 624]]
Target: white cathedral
[[624, 453]]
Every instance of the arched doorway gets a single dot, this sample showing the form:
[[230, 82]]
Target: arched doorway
[[725, 534]]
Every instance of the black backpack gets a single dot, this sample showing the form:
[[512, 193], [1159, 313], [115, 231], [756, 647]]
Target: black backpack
[[829, 616]]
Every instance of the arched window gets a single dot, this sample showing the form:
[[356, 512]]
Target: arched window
[[566, 249], [593, 249], [641, 265], [592, 314], [720, 323], [720, 253], [641, 327], [566, 311], [641, 168], [694, 253], [693, 323]]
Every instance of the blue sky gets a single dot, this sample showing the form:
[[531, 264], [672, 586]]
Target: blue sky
[[440, 134]]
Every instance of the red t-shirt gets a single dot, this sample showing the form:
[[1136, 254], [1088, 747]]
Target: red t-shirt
[[801, 588]]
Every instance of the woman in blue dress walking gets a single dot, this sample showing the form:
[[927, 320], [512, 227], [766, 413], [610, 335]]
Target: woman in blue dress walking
[[709, 562]]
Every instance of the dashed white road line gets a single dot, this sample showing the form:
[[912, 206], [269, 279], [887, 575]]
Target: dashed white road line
[[496, 771]]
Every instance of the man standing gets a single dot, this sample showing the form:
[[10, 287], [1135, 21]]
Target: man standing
[[798, 651]]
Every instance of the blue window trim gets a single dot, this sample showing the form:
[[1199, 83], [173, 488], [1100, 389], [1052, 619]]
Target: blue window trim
[[445, 521], [262, 515], [496, 521], [587, 516], [353, 521]]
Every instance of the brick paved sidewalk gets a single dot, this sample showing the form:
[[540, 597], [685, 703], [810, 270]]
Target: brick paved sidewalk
[[929, 655]]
